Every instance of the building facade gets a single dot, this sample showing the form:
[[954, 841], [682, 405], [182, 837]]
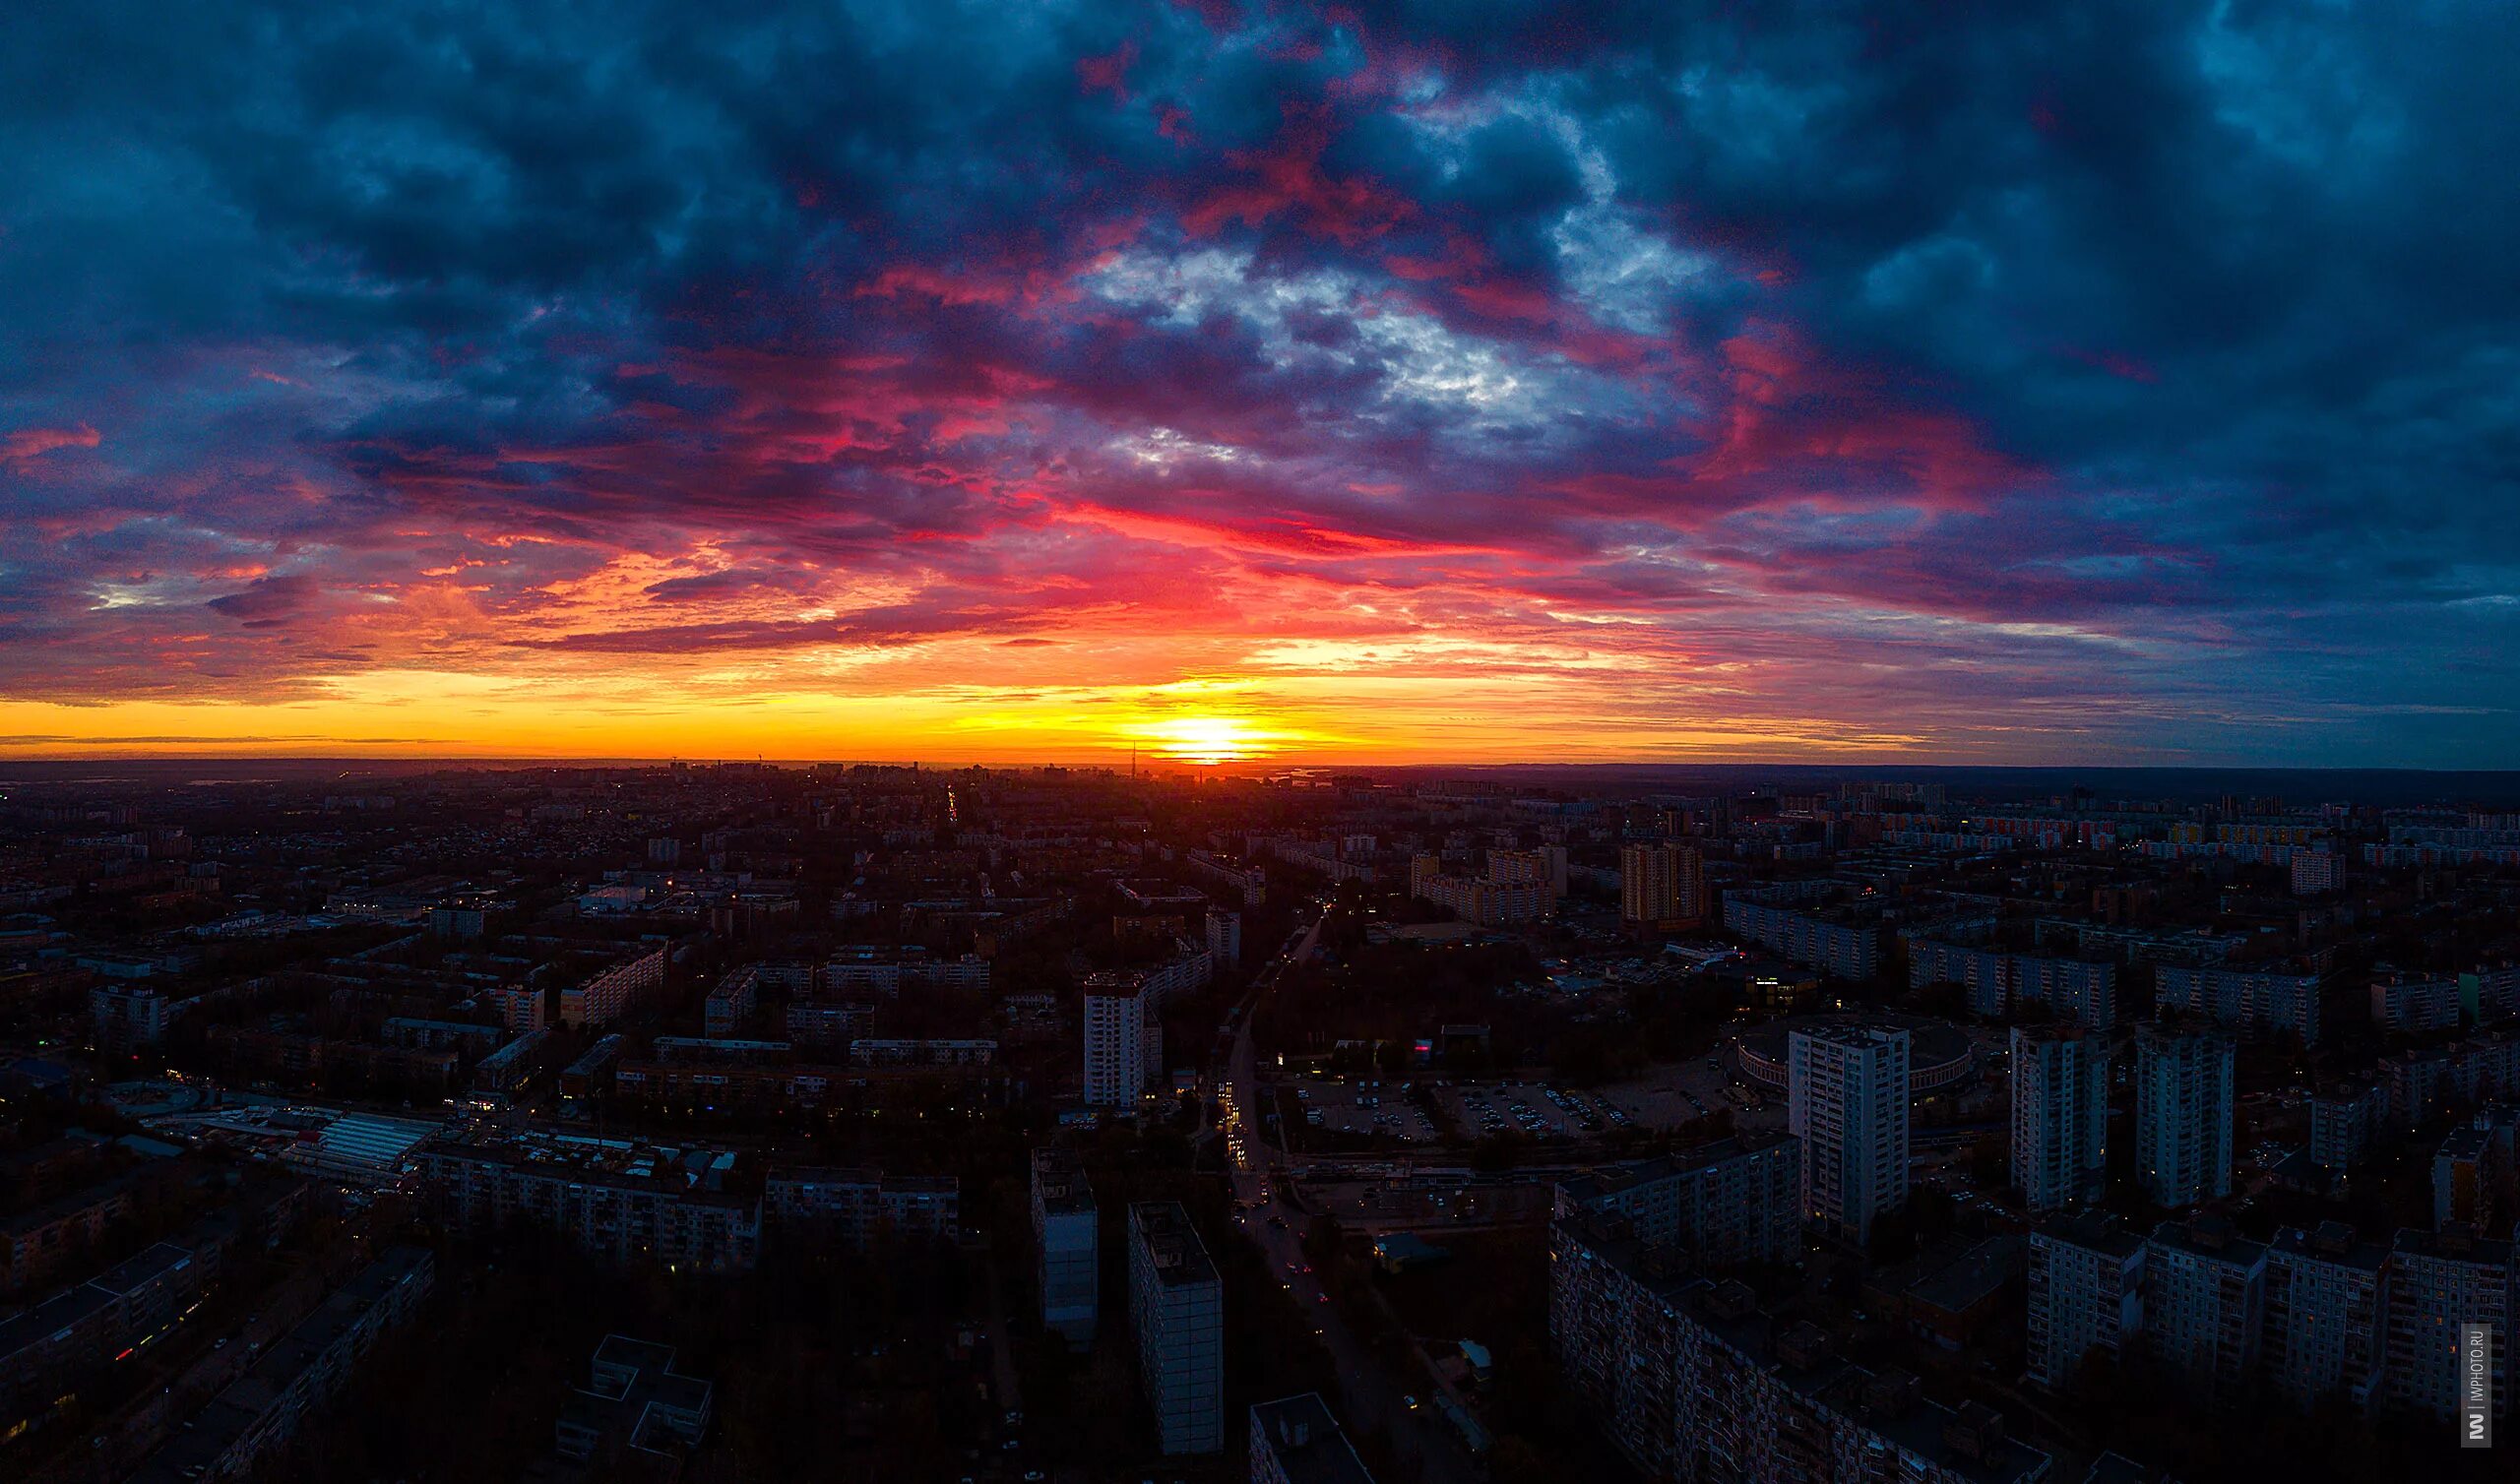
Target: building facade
[[2204, 1304], [2324, 1313], [1662, 885], [2183, 1112], [1695, 1385], [2060, 1116], [2254, 1005], [1066, 1234], [2086, 1293], [1734, 1202], [2438, 1282], [1848, 1090], [1123, 1040], [1176, 1306]]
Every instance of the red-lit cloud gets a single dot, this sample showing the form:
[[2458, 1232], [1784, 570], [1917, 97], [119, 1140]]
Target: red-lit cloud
[[1378, 376]]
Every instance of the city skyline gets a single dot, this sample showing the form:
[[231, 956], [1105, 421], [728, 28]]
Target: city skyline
[[2105, 385]]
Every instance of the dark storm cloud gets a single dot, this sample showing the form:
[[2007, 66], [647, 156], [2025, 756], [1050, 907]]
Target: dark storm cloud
[[480, 330]]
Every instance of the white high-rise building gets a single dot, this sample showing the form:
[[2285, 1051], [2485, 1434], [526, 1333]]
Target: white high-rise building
[[1123, 1040], [1177, 1305], [1064, 1230], [2182, 1115], [2086, 1293], [1848, 1090], [2059, 1115], [1224, 937]]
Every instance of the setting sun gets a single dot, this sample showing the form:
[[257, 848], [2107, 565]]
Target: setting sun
[[1207, 740]]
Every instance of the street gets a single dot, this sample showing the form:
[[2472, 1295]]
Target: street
[[1372, 1397]]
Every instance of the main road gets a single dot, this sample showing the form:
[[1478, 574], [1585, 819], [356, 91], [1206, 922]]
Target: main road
[[1376, 1400]]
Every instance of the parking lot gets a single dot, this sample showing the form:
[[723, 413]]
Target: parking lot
[[1365, 1107], [1672, 1095], [1533, 1109], [1447, 1200]]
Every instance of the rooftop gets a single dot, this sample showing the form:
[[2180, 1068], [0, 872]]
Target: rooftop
[[2211, 1239], [1060, 1178], [1307, 1441], [1611, 1179], [1799, 1356], [1179, 1255], [2093, 1231], [2333, 1242]]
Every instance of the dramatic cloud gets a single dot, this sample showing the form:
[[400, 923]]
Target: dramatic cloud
[[2106, 381]]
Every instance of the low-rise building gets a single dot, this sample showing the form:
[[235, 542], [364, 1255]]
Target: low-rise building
[[262, 1411], [636, 1409], [1295, 1441]]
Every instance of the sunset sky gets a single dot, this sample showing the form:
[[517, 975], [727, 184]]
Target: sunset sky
[[1443, 381]]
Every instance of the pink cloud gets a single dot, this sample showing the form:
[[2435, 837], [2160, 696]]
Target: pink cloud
[[33, 443]]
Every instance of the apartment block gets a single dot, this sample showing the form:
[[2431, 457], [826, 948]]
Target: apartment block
[[858, 1209], [1067, 1236], [1696, 1386], [1661, 885], [2204, 1303], [1847, 948], [2086, 1293], [2059, 1115], [2472, 1171], [2344, 1117], [1848, 1090], [262, 1411], [2183, 1112], [2440, 1283], [2253, 1005], [731, 1002], [1733, 1201], [2081, 990], [605, 995], [1123, 1040], [1176, 1306], [616, 1201], [2324, 1311], [2414, 1004]]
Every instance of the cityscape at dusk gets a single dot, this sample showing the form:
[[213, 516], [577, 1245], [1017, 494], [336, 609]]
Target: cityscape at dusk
[[2072, 383], [1229, 742]]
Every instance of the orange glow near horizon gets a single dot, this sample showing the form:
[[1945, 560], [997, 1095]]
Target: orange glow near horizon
[[1208, 740], [1291, 715]]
